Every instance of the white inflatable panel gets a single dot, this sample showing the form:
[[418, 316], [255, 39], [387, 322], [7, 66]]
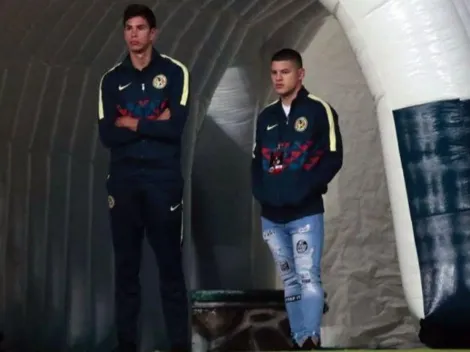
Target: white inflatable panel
[[463, 9], [411, 52]]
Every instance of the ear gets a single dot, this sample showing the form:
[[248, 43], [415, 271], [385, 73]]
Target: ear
[[154, 32], [301, 73]]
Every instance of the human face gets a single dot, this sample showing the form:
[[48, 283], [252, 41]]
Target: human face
[[138, 34], [286, 77]]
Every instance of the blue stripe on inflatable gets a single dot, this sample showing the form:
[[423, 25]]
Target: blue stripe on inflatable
[[434, 144]]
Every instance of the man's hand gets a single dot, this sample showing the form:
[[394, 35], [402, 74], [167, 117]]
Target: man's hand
[[131, 122], [127, 122], [165, 115]]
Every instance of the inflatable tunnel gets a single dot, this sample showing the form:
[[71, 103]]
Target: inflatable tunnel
[[397, 255]]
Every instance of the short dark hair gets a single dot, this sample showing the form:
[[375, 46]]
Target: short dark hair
[[139, 10], [288, 54]]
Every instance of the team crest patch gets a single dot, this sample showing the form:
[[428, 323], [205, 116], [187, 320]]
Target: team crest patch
[[160, 81], [111, 202], [301, 124]]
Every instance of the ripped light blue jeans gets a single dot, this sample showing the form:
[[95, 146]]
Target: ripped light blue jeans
[[297, 249]]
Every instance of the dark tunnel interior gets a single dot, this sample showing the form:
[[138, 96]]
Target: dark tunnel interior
[[55, 248]]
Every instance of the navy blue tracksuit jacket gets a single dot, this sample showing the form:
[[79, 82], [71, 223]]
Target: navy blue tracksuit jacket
[[145, 186], [310, 142], [126, 91]]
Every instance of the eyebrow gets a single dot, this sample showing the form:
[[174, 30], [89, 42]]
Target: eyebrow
[[282, 70], [138, 26]]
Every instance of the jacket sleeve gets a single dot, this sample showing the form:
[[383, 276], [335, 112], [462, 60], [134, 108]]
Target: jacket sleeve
[[171, 129], [260, 182], [111, 136], [325, 158], [257, 167]]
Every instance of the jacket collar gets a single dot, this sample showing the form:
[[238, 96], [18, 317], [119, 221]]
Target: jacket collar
[[155, 57], [301, 94]]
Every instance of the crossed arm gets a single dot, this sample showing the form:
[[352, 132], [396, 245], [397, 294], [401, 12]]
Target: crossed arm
[[168, 126]]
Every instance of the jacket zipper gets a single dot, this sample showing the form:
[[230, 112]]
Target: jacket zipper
[[282, 131], [144, 97]]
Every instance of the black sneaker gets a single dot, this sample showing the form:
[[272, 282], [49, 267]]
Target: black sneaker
[[126, 347], [308, 345], [295, 346], [180, 349]]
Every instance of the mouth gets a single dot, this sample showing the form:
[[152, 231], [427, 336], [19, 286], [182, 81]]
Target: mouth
[[134, 42], [279, 86]]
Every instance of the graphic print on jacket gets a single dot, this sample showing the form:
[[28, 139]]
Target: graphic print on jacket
[[150, 109], [295, 156]]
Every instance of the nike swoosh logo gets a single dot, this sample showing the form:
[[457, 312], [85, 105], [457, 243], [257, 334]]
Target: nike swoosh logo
[[173, 208], [269, 128], [125, 86]]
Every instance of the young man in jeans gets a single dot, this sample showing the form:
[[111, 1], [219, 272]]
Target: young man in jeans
[[297, 152]]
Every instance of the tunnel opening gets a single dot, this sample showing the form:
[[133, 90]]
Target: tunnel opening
[[354, 218]]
